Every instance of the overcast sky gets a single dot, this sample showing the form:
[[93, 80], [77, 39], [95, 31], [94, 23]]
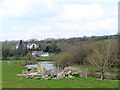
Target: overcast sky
[[39, 19]]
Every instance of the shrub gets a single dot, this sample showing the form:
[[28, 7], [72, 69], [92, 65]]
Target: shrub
[[64, 59]]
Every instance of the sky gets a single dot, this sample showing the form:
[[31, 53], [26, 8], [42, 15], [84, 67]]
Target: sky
[[40, 19]]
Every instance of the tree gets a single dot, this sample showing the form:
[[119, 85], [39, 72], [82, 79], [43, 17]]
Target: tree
[[47, 49], [78, 53], [63, 60], [8, 49], [22, 49], [102, 55], [5, 53], [43, 45], [53, 47], [30, 57]]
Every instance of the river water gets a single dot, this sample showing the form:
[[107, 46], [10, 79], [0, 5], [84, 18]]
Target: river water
[[44, 64]]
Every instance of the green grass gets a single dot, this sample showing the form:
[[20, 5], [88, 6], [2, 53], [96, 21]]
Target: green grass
[[83, 67], [49, 58], [10, 80], [43, 59]]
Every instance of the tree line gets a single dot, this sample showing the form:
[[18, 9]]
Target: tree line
[[100, 54]]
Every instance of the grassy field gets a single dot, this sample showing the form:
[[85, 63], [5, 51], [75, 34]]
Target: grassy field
[[10, 80], [49, 58], [91, 68]]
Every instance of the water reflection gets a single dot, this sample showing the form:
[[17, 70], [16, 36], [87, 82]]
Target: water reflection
[[47, 64]]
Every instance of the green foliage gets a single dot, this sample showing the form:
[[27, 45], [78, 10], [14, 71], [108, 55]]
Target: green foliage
[[63, 59], [103, 55], [22, 49], [30, 57], [11, 80], [76, 75], [52, 48], [5, 53]]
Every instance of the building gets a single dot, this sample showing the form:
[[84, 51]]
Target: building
[[29, 45], [40, 54], [32, 45], [45, 54]]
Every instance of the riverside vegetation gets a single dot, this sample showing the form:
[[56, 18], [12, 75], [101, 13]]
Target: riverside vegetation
[[98, 54], [11, 80]]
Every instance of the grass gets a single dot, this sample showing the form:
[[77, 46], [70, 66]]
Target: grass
[[111, 71], [43, 59], [90, 68], [49, 58], [10, 80]]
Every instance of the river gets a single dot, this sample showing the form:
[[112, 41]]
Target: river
[[47, 64]]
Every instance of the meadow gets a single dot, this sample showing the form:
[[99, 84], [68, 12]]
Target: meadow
[[11, 80]]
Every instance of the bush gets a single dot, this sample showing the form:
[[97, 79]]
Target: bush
[[51, 57], [16, 57], [30, 57], [76, 75], [64, 59]]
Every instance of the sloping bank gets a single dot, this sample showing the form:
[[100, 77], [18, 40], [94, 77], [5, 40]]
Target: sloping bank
[[10, 80]]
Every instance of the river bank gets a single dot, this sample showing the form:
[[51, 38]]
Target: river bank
[[11, 80]]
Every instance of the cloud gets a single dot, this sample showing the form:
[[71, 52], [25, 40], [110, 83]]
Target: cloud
[[13, 8], [78, 12], [16, 28], [20, 8], [37, 31], [48, 18], [95, 27], [89, 1], [92, 18]]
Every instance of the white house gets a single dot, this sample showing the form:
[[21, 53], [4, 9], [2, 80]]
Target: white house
[[45, 54], [32, 45], [40, 53], [29, 45], [37, 53]]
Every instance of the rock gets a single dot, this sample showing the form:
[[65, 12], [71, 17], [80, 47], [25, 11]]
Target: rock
[[68, 72], [70, 76], [46, 75], [43, 77], [35, 73], [74, 73], [48, 72], [21, 74], [81, 75], [55, 78], [46, 78], [63, 70], [61, 75]]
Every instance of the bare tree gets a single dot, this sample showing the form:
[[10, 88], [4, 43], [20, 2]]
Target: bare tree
[[63, 59], [103, 55], [30, 57]]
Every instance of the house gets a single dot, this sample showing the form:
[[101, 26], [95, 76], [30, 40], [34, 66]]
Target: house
[[29, 45], [32, 45], [37, 53], [45, 54], [40, 54]]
